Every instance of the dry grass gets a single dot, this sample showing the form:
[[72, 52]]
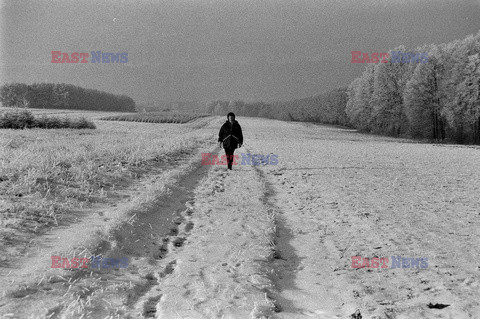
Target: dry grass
[[45, 174]]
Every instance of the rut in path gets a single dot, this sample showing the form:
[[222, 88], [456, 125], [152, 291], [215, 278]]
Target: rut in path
[[146, 239], [284, 256]]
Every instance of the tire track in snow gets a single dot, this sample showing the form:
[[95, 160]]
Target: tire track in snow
[[283, 259]]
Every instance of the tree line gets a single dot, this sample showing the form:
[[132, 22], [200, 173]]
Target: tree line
[[328, 108], [62, 96], [437, 100]]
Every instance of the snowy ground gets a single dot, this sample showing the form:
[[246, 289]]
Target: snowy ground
[[344, 194], [277, 240]]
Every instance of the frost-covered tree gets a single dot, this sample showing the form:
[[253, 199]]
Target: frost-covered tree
[[360, 100], [467, 110], [422, 101], [388, 85], [459, 64]]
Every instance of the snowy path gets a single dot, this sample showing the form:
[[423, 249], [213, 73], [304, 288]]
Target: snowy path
[[222, 272]]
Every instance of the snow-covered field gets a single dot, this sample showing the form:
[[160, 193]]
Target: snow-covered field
[[277, 240], [344, 194]]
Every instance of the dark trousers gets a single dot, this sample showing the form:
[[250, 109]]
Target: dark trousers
[[229, 153]]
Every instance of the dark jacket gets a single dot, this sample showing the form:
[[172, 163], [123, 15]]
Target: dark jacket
[[230, 135]]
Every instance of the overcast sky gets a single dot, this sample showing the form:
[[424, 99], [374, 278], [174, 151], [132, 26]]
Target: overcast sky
[[204, 50]]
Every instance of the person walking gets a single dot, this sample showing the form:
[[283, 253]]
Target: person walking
[[231, 137]]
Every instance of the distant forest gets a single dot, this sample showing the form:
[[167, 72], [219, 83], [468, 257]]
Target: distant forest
[[328, 108], [63, 96], [436, 100]]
